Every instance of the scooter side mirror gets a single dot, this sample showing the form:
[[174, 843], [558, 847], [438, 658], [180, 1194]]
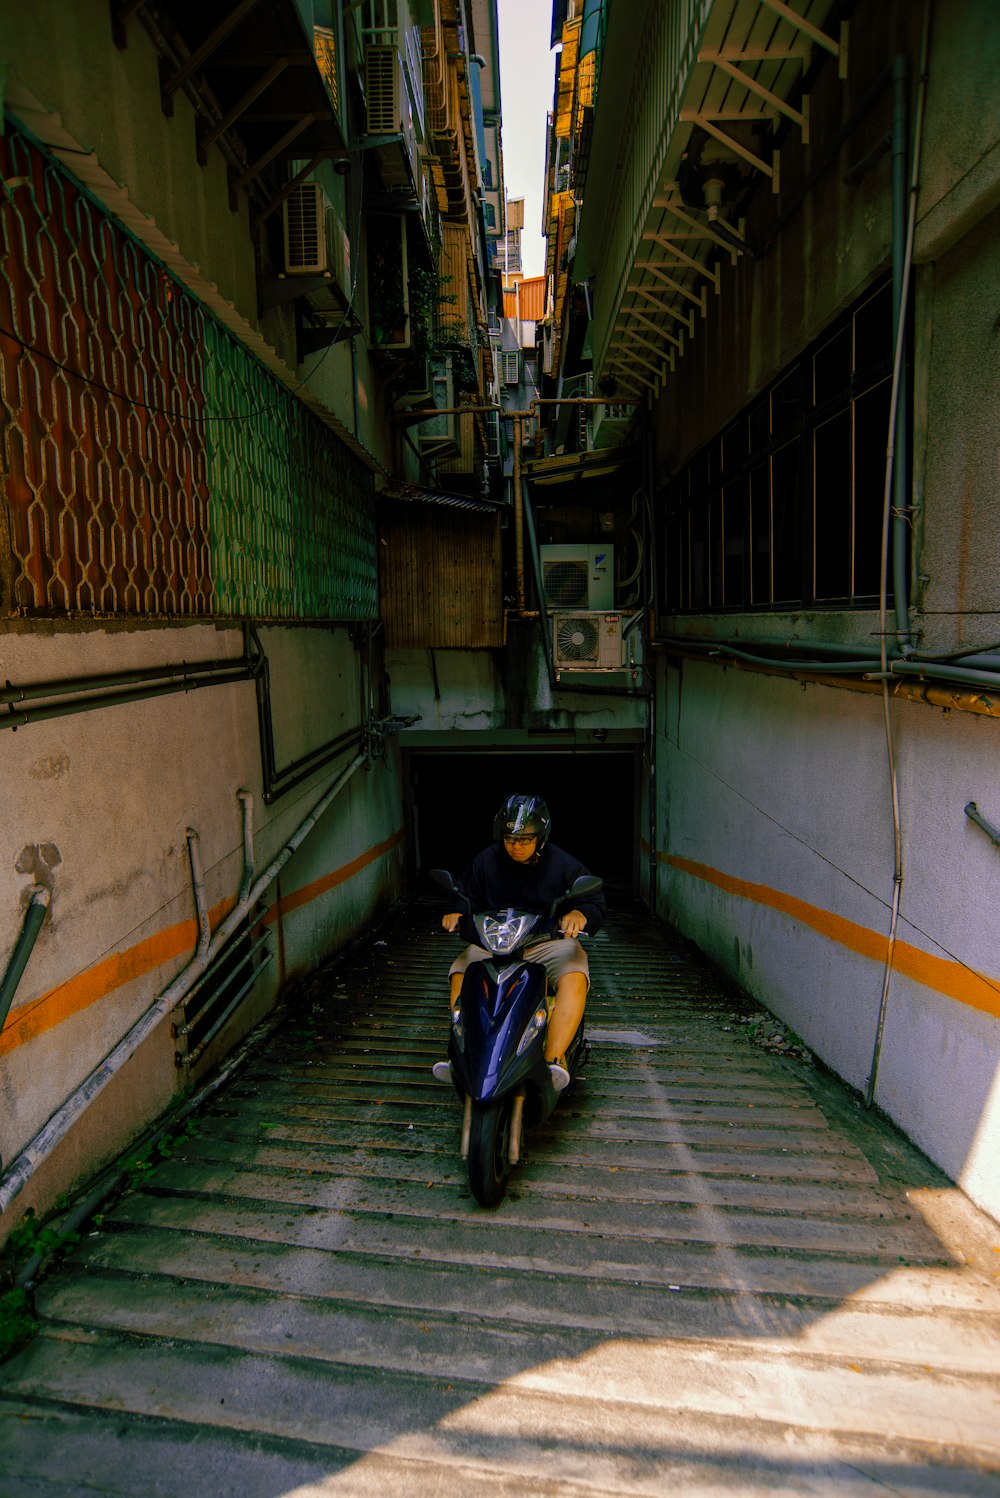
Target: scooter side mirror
[[446, 881], [587, 884]]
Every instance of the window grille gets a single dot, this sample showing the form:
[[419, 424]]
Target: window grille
[[511, 367], [783, 509]]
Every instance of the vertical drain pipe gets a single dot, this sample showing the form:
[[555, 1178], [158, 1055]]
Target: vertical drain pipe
[[652, 595], [895, 481], [902, 251], [33, 918], [200, 902], [518, 514], [245, 799]]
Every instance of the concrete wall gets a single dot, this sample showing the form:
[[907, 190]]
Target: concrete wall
[[776, 857], [109, 100], [774, 845], [98, 805], [959, 560], [492, 691]]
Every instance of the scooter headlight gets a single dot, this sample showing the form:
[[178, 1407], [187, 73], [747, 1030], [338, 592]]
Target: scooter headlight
[[503, 931], [535, 1024]]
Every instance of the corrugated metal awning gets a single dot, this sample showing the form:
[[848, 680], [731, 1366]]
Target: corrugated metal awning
[[414, 494], [571, 467]]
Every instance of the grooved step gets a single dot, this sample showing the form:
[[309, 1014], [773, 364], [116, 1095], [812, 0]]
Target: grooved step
[[711, 1273]]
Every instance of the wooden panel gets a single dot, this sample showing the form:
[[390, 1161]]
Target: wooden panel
[[439, 577]]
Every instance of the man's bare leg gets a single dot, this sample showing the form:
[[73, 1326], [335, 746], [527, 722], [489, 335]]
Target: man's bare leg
[[564, 1021]]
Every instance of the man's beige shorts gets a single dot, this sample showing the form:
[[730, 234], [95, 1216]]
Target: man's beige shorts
[[565, 955]]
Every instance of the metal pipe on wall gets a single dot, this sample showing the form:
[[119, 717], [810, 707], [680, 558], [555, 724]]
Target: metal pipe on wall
[[899, 443], [55, 1130], [245, 799], [519, 504], [38, 904], [198, 885]]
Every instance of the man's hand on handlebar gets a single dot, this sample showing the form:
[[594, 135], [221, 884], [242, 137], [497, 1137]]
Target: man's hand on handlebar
[[451, 920], [572, 923]]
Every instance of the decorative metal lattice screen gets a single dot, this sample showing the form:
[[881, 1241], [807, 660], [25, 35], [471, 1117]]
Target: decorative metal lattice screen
[[151, 465]]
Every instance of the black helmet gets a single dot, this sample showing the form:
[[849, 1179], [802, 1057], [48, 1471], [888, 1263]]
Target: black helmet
[[523, 816]]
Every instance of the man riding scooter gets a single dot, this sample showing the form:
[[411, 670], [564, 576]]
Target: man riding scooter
[[521, 868]]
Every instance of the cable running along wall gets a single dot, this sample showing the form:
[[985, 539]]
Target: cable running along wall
[[152, 466]]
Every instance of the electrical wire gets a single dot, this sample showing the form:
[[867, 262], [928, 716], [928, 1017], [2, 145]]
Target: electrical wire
[[887, 517]]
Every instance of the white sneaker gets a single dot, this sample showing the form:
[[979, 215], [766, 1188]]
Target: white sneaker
[[442, 1071], [559, 1075]]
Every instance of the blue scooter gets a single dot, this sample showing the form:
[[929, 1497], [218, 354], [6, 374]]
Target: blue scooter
[[496, 1052]]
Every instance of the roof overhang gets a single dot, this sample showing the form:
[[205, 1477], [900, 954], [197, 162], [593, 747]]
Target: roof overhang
[[665, 187], [415, 494], [264, 89], [573, 468]]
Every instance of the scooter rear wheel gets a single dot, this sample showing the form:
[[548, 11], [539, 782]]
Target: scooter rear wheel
[[489, 1152]]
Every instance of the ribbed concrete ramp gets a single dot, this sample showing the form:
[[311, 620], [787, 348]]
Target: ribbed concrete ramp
[[712, 1275]]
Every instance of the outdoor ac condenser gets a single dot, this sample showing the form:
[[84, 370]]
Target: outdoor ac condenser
[[578, 576], [315, 241], [588, 641]]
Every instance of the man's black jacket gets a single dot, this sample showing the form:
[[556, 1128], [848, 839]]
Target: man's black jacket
[[493, 881]]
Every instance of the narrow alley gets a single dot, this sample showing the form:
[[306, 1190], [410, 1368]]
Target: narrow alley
[[714, 1273]]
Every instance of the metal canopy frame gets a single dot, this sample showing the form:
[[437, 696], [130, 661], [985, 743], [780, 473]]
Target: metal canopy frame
[[745, 76], [255, 79]]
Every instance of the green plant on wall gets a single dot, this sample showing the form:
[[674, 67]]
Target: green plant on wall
[[425, 297], [436, 335], [17, 1325], [387, 281]]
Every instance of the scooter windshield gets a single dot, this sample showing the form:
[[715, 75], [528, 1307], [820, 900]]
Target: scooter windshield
[[503, 931]]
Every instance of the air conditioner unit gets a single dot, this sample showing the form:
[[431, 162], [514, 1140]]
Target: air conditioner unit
[[578, 576], [389, 118], [588, 641], [383, 77], [316, 243], [437, 436], [609, 423]]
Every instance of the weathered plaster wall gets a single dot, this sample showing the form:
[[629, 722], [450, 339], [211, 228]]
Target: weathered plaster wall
[[960, 166], [109, 100], [775, 856], [959, 555], [480, 691], [98, 806]]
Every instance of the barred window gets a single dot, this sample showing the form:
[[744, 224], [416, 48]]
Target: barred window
[[784, 507]]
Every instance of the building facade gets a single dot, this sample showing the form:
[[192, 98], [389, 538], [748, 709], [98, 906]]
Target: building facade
[[780, 238], [243, 251]]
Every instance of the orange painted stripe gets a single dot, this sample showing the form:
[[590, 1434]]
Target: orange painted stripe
[[77, 994], [89, 987], [942, 974], [310, 892]]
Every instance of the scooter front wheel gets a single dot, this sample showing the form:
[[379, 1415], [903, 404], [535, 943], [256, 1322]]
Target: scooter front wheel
[[489, 1151]]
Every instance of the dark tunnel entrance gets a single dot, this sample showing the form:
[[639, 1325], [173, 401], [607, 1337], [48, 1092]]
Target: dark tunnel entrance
[[592, 794]]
